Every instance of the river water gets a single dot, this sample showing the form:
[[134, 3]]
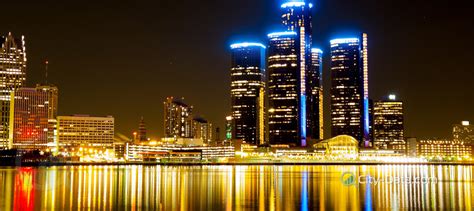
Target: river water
[[266, 187]]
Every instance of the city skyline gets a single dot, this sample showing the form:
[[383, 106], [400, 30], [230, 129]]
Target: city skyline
[[194, 89]]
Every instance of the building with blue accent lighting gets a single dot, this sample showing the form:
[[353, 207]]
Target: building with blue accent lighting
[[315, 120], [350, 104], [284, 117], [295, 111], [295, 114], [248, 92]]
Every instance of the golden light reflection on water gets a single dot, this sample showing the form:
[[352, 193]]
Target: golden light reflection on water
[[233, 188]]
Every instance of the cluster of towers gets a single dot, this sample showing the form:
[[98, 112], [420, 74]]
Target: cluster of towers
[[179, 122], [277, 91], [28, 115]]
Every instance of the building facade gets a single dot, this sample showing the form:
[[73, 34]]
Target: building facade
[[349, 89], [202, 129], [177, 118], [12, 76], [442, 148], [388, 124], [464, 132], [315, 120], [248, 92], [286, 123], [33, 110], [85, 131]]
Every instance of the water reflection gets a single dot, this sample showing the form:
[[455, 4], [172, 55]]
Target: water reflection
[[234, 188]]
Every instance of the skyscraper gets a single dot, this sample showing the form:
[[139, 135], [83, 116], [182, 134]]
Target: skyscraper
[[286, 113], [295, 92], [464, 133], [202, 129], [315, 96], [12, 76], [177, 118], [248, 92], [349, 89], [52, 94], [388, 124], [32, 110]]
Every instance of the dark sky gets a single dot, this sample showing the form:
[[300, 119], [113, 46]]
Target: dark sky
[[124, 57]]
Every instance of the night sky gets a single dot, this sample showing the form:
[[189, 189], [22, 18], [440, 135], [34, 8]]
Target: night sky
[[122, 58]]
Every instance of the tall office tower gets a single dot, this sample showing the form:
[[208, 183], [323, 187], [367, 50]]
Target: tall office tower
[[12, 76], [178, 118], [296, 17], [464, 133], [349, 89], [315, 97], [84, 130], [32, 110], [388, 124], [142, 130], [286, 113], [248, 92], [202, 129], [52, 94]]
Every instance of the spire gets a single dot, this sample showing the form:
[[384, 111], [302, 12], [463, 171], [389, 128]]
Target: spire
[[46, 72]]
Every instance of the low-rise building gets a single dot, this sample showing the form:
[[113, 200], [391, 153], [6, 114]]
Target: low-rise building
[[147, 152], [340, 147], [443, 148], [85, 131]]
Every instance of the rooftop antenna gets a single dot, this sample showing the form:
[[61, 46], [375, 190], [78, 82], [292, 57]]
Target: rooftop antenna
[[46, 68]]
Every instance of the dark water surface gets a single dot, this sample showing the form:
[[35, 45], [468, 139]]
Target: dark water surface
[[355, 187]]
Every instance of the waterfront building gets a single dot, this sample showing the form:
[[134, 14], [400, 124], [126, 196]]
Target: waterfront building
[[85, 131], [34, 112], [248, 92], [148, 152], [349, 89], [12, 77], [177, 118], [443, 148], [202, 129], [388, 124], [341, 147]]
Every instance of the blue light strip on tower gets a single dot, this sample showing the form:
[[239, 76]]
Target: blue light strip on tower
[[303, 119], [366, 122], [316, 50], [296, 4], [246, 44], [279, 34]]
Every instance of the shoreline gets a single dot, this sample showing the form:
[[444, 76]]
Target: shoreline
[[47, 164]]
